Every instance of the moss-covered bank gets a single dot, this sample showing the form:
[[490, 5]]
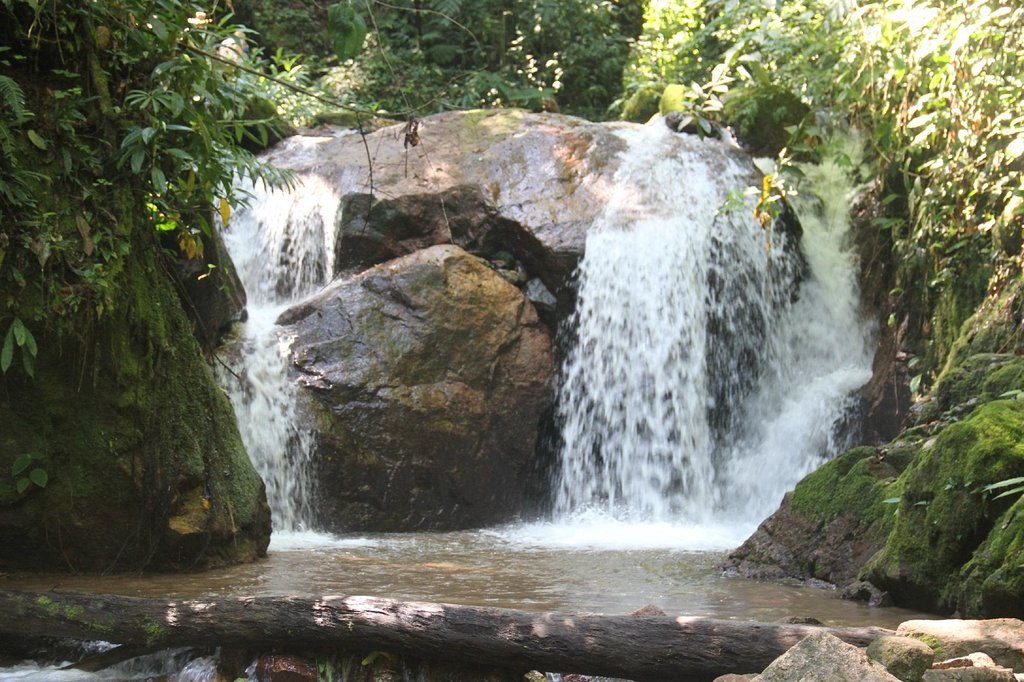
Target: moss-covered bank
[[146, 467]]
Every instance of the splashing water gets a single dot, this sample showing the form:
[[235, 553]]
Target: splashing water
[[707, 373], [283, 248]]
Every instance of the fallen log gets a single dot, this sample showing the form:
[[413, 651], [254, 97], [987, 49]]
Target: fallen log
[[644, 648]]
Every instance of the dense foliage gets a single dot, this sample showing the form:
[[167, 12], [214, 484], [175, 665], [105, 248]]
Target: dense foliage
[[424, 56], [114, 117], [936, 86]]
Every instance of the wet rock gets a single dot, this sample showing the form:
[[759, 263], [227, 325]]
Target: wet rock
[[1000, 638], [864, 591], [428, 375], [904, 657], [648, 611], [272, 668], [827, 658], [732, 677], [371, 230]]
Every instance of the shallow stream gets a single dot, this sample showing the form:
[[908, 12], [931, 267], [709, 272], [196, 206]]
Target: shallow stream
[[609, 568]]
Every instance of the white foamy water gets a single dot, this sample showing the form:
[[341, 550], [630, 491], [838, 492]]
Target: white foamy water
[[596, 530], [298, 541], [283, 248], [707, 376]]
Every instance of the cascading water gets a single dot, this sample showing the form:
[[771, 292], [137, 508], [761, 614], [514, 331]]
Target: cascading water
[[283, 248], [708, 372]]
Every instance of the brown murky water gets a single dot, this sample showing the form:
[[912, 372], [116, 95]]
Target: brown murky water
[[492, 568]]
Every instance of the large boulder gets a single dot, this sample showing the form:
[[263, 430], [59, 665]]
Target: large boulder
[[429, 376], [539, 180], [489, 181]]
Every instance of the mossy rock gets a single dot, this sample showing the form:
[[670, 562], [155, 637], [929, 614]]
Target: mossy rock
[[858, 480], [643, 104], [834, 521], [943, 517], [975, 380], [996, 325], [145, 463], [992, 582]]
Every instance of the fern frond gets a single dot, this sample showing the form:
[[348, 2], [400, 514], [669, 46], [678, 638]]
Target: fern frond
[[13, 97]]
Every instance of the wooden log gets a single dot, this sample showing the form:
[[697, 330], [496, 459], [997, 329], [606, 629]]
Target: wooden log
[[645, 648]]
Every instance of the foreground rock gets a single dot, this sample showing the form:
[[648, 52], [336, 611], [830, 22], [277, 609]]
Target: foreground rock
[[1001, 638], [429, 376], [826, 658], [904, 657]]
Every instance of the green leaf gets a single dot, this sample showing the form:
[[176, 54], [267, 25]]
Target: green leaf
[[35, 139], [891, 500], [7, 354], [22, 485], [21, 463], [1014, 491], [347, 29], [18, 327], [159, 180], [28, 363], [1004, 484], [137, 158], [39, 477]]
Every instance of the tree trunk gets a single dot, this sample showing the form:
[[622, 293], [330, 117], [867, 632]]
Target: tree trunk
[[644, 648]]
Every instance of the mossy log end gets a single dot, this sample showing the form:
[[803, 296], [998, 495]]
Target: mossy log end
[[638, 648]]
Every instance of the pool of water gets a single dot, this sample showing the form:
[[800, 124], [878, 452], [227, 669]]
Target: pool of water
[[604, 568]]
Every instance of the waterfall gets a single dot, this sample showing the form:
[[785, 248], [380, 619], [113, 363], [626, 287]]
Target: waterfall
[[707, 373], [708, 366], [282, 245]]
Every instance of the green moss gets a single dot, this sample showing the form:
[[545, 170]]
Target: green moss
[[673, 98], [943, 517], [643, 104], [934, 642], [126, 423], [154, 631], [992, 582], [994, 326], [856, 481], [975, 379]]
